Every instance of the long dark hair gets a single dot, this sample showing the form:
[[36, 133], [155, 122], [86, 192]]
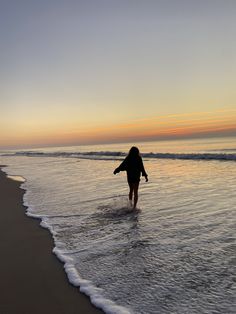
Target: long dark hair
[[133, 153]]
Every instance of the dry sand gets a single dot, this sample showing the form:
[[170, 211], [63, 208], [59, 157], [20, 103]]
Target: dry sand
[[32, 279]]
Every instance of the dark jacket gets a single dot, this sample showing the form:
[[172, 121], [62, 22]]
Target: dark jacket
[[134, 168]]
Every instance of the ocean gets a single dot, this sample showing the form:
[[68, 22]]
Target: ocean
[[175, 254]]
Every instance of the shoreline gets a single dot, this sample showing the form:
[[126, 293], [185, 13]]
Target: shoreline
[[33, 279]]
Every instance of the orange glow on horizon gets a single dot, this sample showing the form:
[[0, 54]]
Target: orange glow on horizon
[[169, 126]]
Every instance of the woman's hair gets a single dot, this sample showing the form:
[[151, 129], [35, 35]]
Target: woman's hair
[[133, 152]]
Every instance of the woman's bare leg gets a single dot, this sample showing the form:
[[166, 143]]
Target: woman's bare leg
[[135, 189], [131, 190]]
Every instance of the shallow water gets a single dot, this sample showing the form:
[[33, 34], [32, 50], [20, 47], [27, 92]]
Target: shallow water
[[176, 254]]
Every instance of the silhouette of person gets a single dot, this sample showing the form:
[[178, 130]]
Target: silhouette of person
[[133, 165]]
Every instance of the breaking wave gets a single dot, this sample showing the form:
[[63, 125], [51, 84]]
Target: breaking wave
[[116, 155]]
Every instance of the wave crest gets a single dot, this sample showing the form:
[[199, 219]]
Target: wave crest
[[116, 155]]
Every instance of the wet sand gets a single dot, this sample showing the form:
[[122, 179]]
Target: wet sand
[[32, 278]]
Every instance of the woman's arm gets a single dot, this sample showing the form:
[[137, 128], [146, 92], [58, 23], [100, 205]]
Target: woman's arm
[[122, 167], [144, 174]]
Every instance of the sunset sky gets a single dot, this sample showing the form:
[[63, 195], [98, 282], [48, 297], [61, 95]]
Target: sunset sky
[[104, 71]]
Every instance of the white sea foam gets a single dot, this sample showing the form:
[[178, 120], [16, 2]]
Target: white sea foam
[[16, 178], [88, 287]]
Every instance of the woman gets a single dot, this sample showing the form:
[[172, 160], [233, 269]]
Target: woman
[[133, 165]]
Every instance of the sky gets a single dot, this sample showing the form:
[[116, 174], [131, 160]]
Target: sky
[[105, 71]]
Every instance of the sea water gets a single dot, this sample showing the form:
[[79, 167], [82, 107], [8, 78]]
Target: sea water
[[175, 254]]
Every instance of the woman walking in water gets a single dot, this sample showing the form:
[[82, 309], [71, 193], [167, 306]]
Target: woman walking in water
[[133, 165]]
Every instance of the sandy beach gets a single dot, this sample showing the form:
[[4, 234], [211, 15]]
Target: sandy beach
[[32, 278]]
